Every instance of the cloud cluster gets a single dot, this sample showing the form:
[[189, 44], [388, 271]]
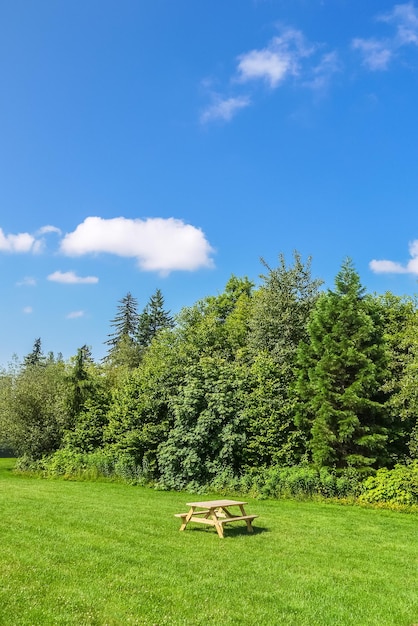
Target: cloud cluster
[[20, 243], [378, 53], [157, 244], [405, 19], [290, 55], [25, 242], [287, 56], [278, 60], [393, 267]]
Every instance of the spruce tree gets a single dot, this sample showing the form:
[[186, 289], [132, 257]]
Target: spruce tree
[[342, 367], [36, 357], [123, 341], [153, 319], [78, 379]]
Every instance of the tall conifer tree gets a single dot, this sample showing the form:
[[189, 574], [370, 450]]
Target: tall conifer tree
[[342, 368], [36, 357], [153, 319], [123, 341]]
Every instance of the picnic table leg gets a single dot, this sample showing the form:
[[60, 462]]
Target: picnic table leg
[[249, 526], [250, 529], [218, 526], [187, 519]]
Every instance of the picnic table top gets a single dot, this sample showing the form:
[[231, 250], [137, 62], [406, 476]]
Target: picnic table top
[[211, 504]]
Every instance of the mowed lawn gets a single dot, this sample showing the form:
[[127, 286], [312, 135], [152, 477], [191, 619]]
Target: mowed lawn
[[102, 553]]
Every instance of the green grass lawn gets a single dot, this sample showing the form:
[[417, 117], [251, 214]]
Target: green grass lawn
[[102, 553]]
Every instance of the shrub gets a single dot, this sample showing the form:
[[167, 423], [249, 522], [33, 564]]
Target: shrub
[[70, 464], [299, 481], [396, 486]]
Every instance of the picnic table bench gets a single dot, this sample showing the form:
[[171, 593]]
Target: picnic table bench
[[215, 513]]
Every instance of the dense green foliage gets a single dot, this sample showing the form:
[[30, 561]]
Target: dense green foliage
[[396, 486], [34, 409], [253, 382]]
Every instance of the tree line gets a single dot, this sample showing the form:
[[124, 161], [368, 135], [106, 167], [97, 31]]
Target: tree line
[[279, 375]]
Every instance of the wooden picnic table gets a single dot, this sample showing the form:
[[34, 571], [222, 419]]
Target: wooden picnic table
[[216, 513]]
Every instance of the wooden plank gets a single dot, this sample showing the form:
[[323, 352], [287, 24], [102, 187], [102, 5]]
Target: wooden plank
[[236, 518], [203, 520], [214, 504], [195, 513], [246, 518]]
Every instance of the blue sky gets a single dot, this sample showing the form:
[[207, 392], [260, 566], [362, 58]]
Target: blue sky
[[163, 144]]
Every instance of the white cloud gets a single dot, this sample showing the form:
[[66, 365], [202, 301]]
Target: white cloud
[[288, 55], [393, 267], [75, 315], [322, 73], [224, 109], [264, 64], [28, 281], [25, 242], [20, 243], [376, 53], [158, 244], [405, 18], [275, 62], [49, 229], [70, 278], [387, 267], [27, 310]]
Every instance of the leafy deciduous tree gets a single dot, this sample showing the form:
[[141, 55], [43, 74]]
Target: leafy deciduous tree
[[34, 406], [400, 319], [140, 415], [207, 437], [269, 409], [281, 309]]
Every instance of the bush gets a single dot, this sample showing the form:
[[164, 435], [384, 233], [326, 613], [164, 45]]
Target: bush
[[299, 481], [71, 464], [305, 481], [396, 486]]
